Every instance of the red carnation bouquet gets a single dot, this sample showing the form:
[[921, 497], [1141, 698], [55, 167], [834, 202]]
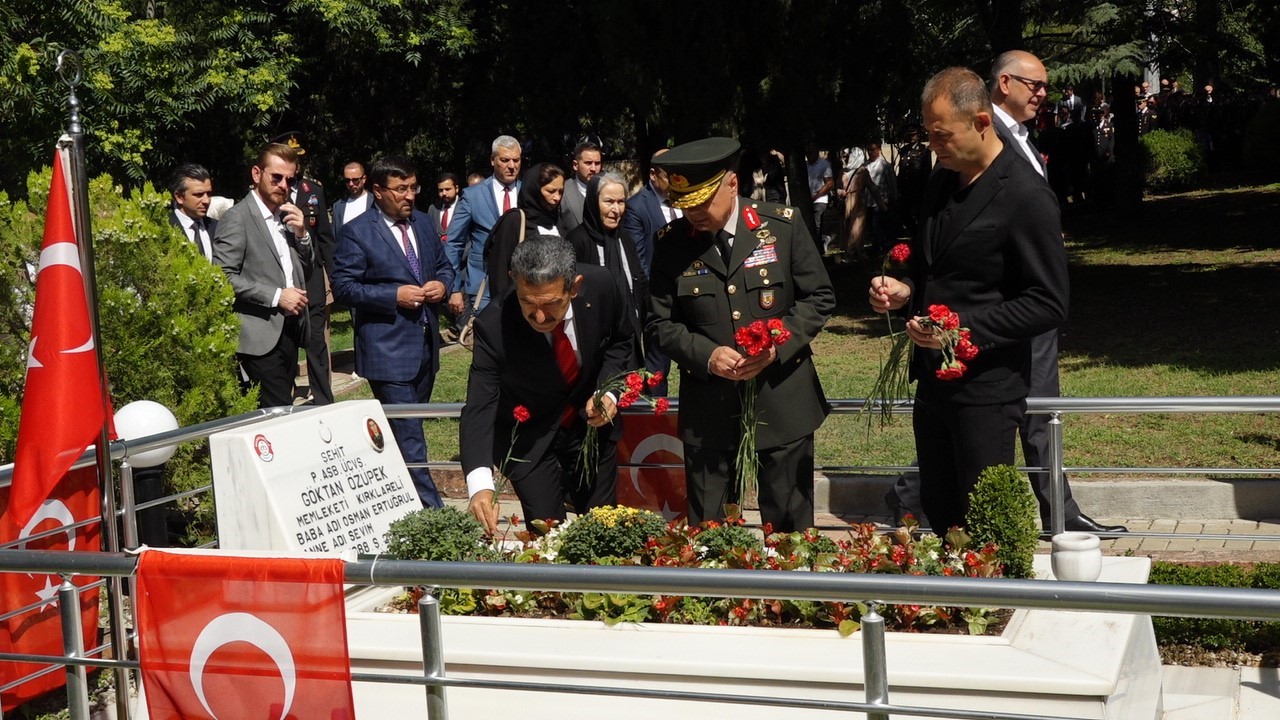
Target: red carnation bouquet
[[754, 339], [628, 388], [957, 348]]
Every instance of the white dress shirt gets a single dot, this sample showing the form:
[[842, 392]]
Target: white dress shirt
[[1019, 132], [277, 232]]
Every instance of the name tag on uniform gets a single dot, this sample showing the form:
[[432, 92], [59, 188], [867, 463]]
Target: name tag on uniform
[[762, 256]]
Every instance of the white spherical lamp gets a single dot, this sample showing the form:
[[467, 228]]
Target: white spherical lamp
[[143, 418]]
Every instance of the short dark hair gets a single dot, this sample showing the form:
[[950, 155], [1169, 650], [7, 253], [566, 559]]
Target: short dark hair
[[391, 166], [543, 259], [184, 172], [962, 88], [582, 147], [448, 176]]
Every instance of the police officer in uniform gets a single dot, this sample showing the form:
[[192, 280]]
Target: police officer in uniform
[[729, 262]]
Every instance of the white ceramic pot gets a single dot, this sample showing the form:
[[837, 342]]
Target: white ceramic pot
[[1076, 556]]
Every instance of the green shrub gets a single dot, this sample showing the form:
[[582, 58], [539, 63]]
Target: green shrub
[[719, 540], [168, 330], [1172, 160], [1212, 633], [605, 532], [1261, 150], [1003, 511], [446, 534]]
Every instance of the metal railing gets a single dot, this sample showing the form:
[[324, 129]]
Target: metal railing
[[874, 590], [1056, 407]]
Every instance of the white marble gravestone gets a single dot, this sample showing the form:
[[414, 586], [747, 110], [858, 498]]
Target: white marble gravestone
[[329, 480]]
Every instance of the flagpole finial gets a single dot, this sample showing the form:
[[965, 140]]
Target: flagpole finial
[[70, 70]]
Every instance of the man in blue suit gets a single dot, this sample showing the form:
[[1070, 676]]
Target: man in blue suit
[[648, 211], [478, 211], [390, 269]]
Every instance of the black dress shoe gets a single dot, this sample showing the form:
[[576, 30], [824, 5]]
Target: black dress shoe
[[1084, 523]]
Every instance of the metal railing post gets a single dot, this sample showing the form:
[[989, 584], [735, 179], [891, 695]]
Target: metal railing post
[[73, 647], [432, 654], [1057, 479], [875, 674]]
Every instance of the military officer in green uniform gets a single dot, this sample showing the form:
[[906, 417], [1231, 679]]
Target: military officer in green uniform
[[729, 262]]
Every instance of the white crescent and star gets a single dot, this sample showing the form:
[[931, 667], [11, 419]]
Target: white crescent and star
[[243, 627], [59, 253], [654, 443], [48, 510]]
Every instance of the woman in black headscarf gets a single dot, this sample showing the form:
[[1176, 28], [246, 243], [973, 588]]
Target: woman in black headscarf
[[600, 240], [537, 209]]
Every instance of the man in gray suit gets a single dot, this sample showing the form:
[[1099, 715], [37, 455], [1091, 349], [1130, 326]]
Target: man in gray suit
[[586, 165], [263, 246]]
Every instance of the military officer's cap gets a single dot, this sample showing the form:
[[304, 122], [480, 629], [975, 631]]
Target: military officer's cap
[[291, 139], [695, 169]]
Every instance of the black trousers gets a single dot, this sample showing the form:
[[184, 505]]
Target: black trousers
[[546, 486], [955, 443], [785, 482], [318, 371], [274, 372]]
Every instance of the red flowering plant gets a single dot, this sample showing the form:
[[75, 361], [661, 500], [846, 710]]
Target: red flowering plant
[[754, 339], [893, 383], [521, 415], [627, 388]]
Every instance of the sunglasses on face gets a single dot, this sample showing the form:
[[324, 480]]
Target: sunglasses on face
[[290, 180], [1033, 85]]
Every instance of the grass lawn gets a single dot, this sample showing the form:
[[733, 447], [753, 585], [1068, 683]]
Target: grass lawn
[[1180, 299]]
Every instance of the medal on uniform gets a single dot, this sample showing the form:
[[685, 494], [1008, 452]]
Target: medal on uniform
[[766, 299]]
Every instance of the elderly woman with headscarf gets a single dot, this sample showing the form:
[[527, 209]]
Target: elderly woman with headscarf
[[601, 240], [536, 213]]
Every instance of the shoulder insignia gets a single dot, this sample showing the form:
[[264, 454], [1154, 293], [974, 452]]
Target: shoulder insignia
[[662, 231], [306, 186], [784, 212]]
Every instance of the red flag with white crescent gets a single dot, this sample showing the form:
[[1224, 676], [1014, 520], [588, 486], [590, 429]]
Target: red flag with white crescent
[[226, 638], [60, 416], [38, 630], [652, 439]]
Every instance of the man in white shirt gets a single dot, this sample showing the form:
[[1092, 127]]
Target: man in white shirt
[[357, 199], [192, 190]]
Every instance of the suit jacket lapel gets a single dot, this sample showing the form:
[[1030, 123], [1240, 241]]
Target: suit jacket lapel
[[491, 202], [264, 232], [392, 239], [984, 190]]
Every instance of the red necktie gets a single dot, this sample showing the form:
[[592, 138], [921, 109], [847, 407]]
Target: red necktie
[[506, 198], [444, 220], [567, 360]]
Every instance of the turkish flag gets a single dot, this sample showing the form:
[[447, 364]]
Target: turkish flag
[[242, 638], [652, 439], [38, 630], [60, 416]]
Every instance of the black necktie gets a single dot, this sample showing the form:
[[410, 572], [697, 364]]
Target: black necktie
[[198, 237], [722, 242]]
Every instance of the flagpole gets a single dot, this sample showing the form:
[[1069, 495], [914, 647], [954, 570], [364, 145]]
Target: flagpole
[[70, 70]]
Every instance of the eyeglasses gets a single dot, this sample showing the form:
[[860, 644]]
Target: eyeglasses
[[1034, 86], [354, 180], [290, 180], [406, 190]]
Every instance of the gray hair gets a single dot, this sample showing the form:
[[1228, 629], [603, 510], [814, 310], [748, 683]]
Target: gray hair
[[503, 141], [544, 259], [612, 177], [962, 88]]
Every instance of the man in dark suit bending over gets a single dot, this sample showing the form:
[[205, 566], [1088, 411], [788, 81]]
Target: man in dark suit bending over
[[991, 250], [390, 268], [560, 333]]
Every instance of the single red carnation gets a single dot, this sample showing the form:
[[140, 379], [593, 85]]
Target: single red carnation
[[939, 313], [781, 337], [951, 321], [634, 381], [655, 379], [954, 371], [966, 350], [661, 405], [520, 413], [628, 398], [775, 324], [900, 253]]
